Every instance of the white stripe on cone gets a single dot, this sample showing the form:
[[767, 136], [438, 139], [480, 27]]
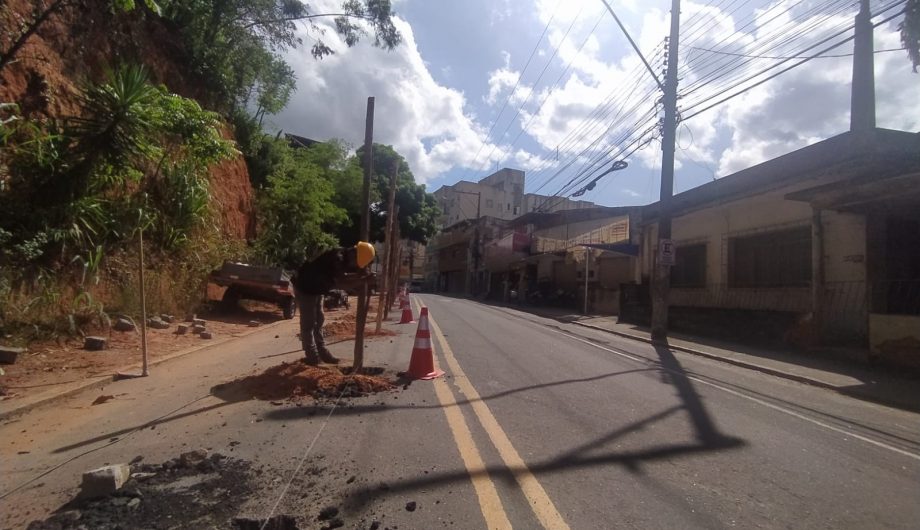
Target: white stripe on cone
[[423, 344]]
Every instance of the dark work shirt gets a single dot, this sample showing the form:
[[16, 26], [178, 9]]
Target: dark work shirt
[[319, 276]]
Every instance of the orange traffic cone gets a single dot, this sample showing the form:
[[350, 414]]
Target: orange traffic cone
[[406, 315], [421, 366]]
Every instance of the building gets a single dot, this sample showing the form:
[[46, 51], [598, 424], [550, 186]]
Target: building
[[550, 252], [500, 195], [547, 203], [821, 245]]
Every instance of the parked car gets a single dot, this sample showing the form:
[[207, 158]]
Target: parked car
[[252, 282]]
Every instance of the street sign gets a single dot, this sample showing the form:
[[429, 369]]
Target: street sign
[[666, 253]]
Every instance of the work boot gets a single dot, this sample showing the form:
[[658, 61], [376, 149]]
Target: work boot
[[327, 357], [310, 358]]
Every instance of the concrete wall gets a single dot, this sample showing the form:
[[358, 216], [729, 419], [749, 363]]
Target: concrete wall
[[844, 258], [895, 338]]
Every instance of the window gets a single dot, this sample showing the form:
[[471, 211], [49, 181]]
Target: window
[[689, 268], [508, 207], [517, 210], [489, 203], [773, 259]]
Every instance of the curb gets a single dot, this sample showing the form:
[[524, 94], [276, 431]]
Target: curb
[[743, 364], [102, 381]]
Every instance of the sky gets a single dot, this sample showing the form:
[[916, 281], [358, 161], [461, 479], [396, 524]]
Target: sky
[[554, 88]]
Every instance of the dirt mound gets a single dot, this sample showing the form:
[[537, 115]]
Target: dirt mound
[[346, 328], [296, 380], [188, 492]]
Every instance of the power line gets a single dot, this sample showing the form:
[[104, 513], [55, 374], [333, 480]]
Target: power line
[[735, 81], [762, 81], [511, 94], [601, 112], [534, 87], [558, 80], [792, 56], [633, 44], [773, 40]]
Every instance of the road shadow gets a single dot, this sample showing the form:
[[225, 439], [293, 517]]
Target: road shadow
[[241, 314], [707, 438], [289, 414]]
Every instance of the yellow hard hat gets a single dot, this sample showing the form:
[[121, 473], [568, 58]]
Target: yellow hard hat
[[366, 253]]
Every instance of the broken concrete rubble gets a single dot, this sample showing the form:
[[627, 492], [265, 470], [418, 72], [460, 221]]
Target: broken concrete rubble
[[104, 480], [94, 343], [8, 354]]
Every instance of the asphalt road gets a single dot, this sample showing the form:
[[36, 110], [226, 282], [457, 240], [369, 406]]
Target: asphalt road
[[537, 423]]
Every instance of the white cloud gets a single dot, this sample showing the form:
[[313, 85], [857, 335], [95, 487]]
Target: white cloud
[[630, 193], [426, 122]]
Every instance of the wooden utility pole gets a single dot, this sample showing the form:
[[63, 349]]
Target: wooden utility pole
[[587, 267], [662, 266], [144, 366], [385, 287], [394, 263], [392, 242], [364, 231]]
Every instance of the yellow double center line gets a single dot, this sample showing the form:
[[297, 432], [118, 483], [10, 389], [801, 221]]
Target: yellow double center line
[[489, 501]]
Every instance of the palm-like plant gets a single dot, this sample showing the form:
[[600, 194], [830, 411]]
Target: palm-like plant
[[116, 125]]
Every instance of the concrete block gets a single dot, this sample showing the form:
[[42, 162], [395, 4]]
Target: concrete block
[[94, 343], [8, 354], [169, 319], [124, 324], [199, 321], [104, 481], [181, 329], [206, 335], [254, 323], [156, 323], [198, 328]]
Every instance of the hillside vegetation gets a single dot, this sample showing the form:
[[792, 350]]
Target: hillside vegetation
[[122, 117]]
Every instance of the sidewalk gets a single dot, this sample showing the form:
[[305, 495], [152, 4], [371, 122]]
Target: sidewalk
[[877, 384]]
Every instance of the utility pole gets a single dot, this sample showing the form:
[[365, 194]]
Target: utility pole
[[393, 270], [364, 231], [476, 253], [587, 266], [385, 286], [662, 267], [144, 366], [862, 98]]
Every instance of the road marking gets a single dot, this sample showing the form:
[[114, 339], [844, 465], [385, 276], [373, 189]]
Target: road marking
[[540, 502], [489, 502], [759, 401]]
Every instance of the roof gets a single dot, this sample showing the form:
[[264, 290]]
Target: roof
[[852, 151], [561, 217], [300, 141]]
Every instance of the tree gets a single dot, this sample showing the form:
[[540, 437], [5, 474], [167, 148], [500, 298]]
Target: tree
[[237, 44], [910, 31], [418, 209], [297, 212]]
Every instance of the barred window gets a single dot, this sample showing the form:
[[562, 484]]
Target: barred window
[[689, 266], [774, 259]]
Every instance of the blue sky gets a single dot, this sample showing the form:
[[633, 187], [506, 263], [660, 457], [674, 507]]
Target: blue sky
[[440, 94]]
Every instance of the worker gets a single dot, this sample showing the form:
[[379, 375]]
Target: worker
[[316, 278]]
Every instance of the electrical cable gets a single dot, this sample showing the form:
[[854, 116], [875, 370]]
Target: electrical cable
[[729, 97]]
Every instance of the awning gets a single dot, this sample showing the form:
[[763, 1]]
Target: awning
[[623, 248]]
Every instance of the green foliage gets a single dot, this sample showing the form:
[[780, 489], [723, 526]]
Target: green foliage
[[237, 45], [910, 31], [296, 209], [418, 210], [73, 195]]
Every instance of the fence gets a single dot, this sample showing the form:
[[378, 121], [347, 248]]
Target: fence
[[845, 306], [896, 297]]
